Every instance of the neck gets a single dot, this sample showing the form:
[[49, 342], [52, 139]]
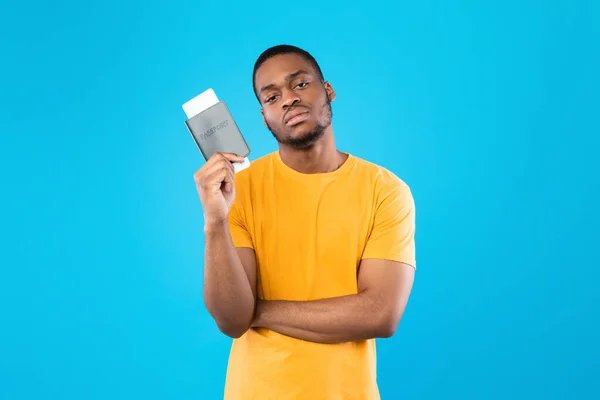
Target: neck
[[321, 157]]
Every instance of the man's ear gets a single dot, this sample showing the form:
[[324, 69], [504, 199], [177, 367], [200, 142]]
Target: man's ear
[[330, 91]]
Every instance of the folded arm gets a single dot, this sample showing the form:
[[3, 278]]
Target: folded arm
[[374, 312], [229, 281]]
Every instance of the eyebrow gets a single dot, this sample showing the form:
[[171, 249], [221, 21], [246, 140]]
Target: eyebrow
[[289, 77]]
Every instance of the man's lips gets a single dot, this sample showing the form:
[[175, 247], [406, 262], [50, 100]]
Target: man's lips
[[296, 116]]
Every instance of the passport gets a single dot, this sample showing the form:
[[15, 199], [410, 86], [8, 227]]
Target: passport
[[213, 128]]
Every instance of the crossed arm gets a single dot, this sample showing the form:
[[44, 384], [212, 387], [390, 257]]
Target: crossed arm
[[230, 295], [384, 286], [374, 312]]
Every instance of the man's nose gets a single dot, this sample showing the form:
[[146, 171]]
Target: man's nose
[[291, 100]]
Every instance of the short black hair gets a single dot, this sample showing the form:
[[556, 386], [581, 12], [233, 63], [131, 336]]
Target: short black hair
[[284, 49]]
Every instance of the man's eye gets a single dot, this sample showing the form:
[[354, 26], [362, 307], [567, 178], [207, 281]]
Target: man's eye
[[270, 99], [302, 85]]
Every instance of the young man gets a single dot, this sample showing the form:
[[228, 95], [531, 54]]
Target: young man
[[310, 252]]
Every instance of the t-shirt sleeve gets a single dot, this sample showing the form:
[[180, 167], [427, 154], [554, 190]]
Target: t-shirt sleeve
[[238, 227], [393, 233]]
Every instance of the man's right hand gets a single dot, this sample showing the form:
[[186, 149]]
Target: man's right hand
[[214, 182]]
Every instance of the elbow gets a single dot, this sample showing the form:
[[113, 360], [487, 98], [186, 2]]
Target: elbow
[[233, 326], [234, 331], [231, 323], [387, 324], [387, 330]]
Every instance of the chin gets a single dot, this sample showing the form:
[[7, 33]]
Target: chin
[[300, 136], [303, 128], [297, 134]]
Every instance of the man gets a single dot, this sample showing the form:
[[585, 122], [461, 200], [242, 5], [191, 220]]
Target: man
[[310, 251]]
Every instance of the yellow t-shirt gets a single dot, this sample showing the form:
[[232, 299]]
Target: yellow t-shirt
[[309, 233]]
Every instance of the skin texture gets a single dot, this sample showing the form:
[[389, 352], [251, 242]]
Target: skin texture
[[229, 273], [286, 85]]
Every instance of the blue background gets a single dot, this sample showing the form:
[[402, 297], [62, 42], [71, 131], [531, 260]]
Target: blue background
[[488, 111]]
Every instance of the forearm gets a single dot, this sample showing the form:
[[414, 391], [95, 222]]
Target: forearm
[[227, 292], [340, 319]]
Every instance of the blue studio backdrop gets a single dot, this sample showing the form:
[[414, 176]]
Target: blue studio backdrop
[[488, 110]]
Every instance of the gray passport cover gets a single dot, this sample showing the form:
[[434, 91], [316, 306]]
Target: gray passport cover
[[214, 130]]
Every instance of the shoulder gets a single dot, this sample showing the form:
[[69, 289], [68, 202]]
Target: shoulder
[[384, 182]]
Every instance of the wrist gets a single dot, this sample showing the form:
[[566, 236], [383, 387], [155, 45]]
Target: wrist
[[215, 225]]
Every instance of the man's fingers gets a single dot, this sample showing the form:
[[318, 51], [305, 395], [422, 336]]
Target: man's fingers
[[214, 180], [220, 164], [209, 169], [233, 157], [229, 171], [229, 156], [216, 175]]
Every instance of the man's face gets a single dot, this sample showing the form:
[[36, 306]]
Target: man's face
[[295, 103]]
